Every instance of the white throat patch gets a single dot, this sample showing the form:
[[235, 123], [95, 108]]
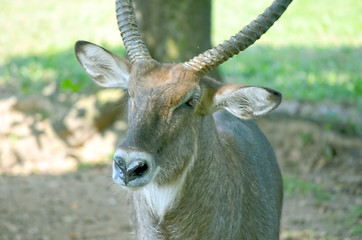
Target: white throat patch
[[160, 198]]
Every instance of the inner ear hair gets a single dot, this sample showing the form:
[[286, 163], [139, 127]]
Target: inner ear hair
[[246, 101], [105, 68]]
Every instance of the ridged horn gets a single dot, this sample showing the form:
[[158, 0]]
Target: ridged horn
[[213, 57], [127, 24]]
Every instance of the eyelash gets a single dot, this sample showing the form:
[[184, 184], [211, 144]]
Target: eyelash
[[126, 92], [190, 104]]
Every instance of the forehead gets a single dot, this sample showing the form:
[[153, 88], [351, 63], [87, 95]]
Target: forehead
[[171, 81]]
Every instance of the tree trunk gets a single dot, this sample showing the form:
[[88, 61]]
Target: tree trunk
[[175, 30]]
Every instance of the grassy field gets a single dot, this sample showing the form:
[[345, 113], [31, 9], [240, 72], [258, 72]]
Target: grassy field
[[314, 53]]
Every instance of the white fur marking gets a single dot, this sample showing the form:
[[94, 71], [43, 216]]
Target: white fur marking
[[161, 197]]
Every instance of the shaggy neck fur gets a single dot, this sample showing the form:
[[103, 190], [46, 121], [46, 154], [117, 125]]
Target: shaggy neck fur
[[161, 198], [222, 192]]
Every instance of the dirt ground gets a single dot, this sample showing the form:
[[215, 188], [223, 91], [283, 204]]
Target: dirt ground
[[55, 179]]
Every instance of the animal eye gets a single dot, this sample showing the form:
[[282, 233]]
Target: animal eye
[[190, 104], [126, 92]]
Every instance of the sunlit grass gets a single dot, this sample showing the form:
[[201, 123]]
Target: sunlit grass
[[308, 23], [313, 53], [47, 27], [302, 73]]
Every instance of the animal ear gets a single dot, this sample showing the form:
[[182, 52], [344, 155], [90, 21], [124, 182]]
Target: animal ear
[[105, 68], [246, 102]]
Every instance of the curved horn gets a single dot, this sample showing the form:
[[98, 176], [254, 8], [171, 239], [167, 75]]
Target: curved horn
[[127, 24], [212, 58]]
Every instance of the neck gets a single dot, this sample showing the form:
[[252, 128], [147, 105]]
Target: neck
[[162, 197], [167, 203]]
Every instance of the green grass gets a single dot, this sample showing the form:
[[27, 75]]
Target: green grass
[[294, 186], [354, 220], [302, 73], [314, 53], [308, 23], [33, 72]]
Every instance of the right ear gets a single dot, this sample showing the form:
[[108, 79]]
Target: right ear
[[245, 102], [105, 68]]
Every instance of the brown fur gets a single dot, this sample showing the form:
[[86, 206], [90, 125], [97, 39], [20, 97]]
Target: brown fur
[[216, 175]]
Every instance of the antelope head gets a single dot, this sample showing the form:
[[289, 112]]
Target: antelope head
[[170, 103]]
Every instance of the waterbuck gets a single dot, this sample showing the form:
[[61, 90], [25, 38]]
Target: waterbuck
[[196, 165]]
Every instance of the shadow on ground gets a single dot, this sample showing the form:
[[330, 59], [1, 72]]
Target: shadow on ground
[[58, 136]]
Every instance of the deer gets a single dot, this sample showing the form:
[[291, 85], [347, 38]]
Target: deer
[[194, 161]]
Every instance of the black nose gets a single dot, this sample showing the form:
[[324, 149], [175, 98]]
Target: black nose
[[135, 169]]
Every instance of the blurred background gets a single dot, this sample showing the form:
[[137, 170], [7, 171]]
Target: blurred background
[[58, 130]]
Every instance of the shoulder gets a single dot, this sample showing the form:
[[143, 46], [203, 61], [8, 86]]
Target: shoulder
[[226, 122]]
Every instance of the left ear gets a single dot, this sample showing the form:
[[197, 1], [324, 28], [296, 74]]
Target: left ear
[[246, 102], [105, 68]]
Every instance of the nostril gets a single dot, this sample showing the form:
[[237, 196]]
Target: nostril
[[137, 168], [132, 168], [140, 170]]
